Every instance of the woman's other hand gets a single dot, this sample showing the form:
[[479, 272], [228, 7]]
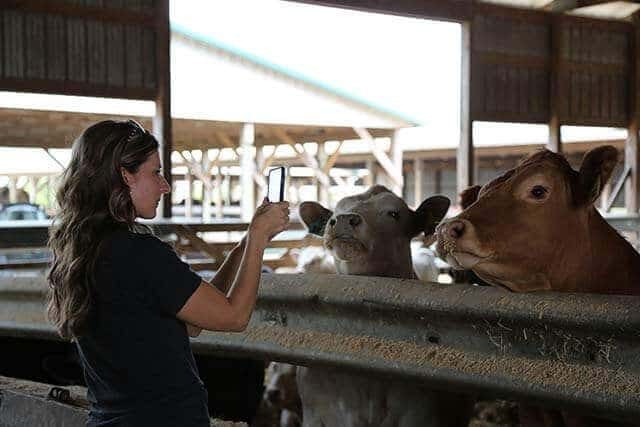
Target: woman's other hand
[[269, 220]]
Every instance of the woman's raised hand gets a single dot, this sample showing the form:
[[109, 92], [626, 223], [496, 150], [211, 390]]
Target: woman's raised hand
[[269, 220]]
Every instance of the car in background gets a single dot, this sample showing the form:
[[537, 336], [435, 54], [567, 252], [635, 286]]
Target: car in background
[[22, 211]]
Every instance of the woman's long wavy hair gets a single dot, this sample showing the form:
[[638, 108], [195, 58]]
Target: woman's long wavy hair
[[93, 201]]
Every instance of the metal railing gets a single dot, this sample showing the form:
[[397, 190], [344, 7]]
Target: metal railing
[[574, 351]]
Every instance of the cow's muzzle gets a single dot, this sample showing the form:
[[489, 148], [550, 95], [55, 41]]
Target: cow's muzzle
[[457, 244]]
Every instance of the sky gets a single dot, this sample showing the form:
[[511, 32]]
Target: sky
[[405, 64]]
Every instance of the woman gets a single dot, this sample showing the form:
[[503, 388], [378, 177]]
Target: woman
[[125, 298]]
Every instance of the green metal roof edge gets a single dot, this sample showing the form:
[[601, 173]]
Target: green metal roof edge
[[180, 29]]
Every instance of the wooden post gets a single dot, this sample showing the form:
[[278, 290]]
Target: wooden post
[[605, 194], [188, 201], [371, 178], [555, 88], [322, 191], [247, 164], [206, 198], [33, 183], [217, 194], [464, 165], [437, 181], [162, 119], [395, 151], [631, 152], [13, 189], [260, 188], [418, 167]]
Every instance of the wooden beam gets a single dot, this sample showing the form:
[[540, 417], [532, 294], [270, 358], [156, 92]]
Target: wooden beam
[[217, 195], [418, 167], [162, 119], [632, 151], [248, 165], [307, 158], [188, 201], [108, 14], [561, 6], [331, 161], [449, 10], [465, 166], [395, 151], [616, 190], [556, 88], [389, 167], [66, 87], [258, 173]]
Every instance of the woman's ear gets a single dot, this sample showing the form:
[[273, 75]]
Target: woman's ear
[[126, 176]]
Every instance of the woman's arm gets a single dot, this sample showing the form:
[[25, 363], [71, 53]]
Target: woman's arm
[[224, 277], [208, 307], [227, 271]]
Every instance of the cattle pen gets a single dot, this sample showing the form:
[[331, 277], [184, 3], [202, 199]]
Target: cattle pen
[[555, 63]]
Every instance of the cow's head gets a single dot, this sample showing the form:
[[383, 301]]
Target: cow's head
[[520, 230], [370, 233]]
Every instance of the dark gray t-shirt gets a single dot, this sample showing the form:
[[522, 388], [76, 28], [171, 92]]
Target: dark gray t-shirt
[[136, 354]]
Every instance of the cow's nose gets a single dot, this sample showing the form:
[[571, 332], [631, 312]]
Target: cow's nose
[[352, 219], [455, 229]]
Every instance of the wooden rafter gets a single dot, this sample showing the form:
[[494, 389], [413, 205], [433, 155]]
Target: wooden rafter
[[333, 158], [383, 159], [307, 158], [203, 168], [258, 176], [560, 6]]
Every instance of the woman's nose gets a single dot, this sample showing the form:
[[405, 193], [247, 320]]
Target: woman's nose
[[164, 186]]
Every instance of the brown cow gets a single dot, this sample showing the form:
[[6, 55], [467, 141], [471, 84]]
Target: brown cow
[[370, 234], [536, 228]]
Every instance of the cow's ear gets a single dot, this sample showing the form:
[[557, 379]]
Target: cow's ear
[[430, 213], [595, 171], [314, 216], [469, 196]]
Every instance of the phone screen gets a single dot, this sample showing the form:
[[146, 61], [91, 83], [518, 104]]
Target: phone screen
[[275, 191]]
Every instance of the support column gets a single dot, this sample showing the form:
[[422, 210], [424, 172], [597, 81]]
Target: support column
[[418, 167], [260, 191], [464, 164], [217, 194], [13, 189], [33, 183], [162, 119], [188, 201], [631, 152], [395, 151], [247, 164], [371, 178], [556, 90], [206, 197], [322, 191]]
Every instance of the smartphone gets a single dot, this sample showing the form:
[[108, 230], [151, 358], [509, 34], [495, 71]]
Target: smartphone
[[275, 185]]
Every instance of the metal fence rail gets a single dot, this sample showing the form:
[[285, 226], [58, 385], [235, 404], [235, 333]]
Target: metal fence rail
[[562, 350]]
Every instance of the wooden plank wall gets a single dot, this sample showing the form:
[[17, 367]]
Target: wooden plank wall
[[594, 64], [512, 54], [79, 47], [510, 65]]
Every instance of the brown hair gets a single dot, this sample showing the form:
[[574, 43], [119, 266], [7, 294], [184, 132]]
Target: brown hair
[[93, 201]]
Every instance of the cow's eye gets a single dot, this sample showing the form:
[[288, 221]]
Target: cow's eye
[[394, 214], [539, 192]]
